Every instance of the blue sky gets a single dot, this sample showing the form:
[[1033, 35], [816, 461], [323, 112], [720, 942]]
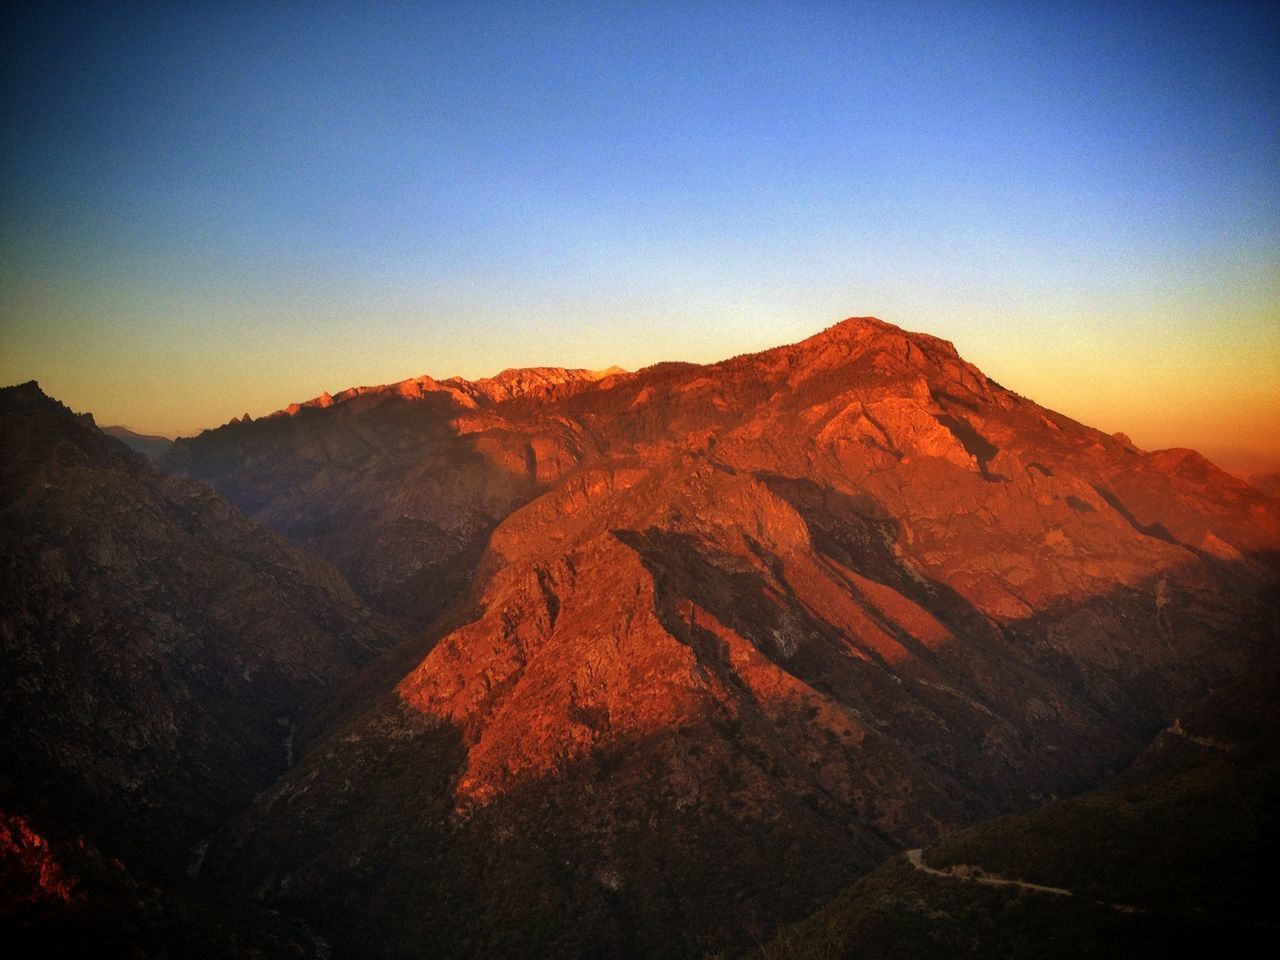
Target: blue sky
[[222, 207]]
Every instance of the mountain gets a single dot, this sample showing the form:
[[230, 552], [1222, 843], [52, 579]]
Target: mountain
[[159, 649], [709, 642], [151, 446]]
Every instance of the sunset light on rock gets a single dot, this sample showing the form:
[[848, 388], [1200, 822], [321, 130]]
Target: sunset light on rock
[[640, 481]]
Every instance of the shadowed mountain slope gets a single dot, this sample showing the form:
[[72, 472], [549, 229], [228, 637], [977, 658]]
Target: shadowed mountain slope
[[1173, 857], [158, 646]]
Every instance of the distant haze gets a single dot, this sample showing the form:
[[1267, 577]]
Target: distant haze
[[217, 211]]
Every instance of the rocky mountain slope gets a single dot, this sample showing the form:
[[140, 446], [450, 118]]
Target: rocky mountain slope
[[157, 647], [721, 637]]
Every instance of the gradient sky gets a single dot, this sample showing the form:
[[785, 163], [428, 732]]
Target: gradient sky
[[219, 208]]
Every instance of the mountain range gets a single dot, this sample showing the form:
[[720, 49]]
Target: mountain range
[[597, 663]]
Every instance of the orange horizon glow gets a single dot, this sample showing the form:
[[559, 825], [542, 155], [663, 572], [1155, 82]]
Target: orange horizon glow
[[1215, 393], [204, 215]]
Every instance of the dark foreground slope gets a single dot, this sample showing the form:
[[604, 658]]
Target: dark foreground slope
[[758, 625], [61, 896], [1175, 857], [158, 648]]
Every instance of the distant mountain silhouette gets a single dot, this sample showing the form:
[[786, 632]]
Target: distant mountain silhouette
[[151, 446]]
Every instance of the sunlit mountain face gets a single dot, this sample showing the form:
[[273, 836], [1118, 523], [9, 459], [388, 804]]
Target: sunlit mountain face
[[577, 663]]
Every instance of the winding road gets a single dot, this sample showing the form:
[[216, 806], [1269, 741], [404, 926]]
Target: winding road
[[973, 874], [916, 858]]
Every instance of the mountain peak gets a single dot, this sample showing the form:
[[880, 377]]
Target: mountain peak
[[29, 396], [859, 326], [814, 600], [855, 332], [28, 392]]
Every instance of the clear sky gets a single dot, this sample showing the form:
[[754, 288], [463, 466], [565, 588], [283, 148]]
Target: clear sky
[[213, 208]]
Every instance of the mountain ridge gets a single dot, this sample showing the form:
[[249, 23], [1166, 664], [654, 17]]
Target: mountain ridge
[[505, 385]]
